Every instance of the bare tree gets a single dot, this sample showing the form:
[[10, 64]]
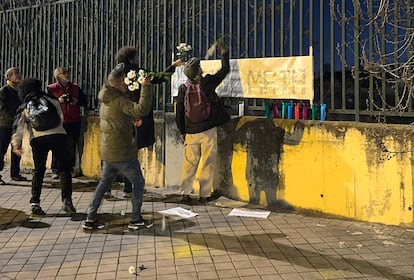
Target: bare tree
[[384, 32]]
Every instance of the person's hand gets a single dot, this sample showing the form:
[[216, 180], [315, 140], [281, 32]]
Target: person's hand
[[74, 101], [146, 82], [17, 149], [178, 62], [138, 122], [222, 49], [61, 99]]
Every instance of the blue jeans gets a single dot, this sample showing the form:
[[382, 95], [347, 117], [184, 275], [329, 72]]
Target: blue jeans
[[131, 169]]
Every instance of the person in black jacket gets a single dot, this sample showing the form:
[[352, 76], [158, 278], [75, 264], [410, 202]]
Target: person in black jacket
[[200, 138], [145, 131], [9, 102]]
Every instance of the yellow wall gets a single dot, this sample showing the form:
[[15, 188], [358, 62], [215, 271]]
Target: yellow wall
[[355, 170]]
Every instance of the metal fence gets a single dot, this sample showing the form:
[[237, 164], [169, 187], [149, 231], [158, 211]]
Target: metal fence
[[84, 35]]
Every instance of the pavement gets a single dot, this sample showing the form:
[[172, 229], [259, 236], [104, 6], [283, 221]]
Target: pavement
[[288, 244]]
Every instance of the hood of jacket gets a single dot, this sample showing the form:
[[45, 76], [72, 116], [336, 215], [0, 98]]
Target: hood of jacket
[[108, 94]]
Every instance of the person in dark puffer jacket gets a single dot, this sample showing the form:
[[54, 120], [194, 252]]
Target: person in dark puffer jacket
[[9, 102]]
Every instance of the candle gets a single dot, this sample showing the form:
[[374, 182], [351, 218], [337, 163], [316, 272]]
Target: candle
[[323, 112], [314, 111], [290, 110], [283, 110], [275, 111], [305, 111], [267, 110], [296, 111]]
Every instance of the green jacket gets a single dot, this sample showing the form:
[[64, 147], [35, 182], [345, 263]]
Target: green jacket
[[117, 114]]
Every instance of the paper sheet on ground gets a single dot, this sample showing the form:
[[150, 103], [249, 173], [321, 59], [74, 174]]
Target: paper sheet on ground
[[249, 213], [178, 211]]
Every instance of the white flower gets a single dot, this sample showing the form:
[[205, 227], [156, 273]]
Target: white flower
[[131, 74], [131, 87], [135, 85], [141, 79], [127, 81], [141, 72]]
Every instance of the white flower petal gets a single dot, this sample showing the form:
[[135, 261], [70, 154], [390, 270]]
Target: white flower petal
[[131, 74], [127, 81]]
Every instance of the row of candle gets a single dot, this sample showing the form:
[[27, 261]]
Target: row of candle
[[295, 111]]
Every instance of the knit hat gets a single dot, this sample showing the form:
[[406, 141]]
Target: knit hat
[[191, 68]]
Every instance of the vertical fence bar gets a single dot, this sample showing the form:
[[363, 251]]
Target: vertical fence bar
[[300, 27], [282, 26], [356, 60], [371, 56], [291, 7], [332, 61], [321, 51]]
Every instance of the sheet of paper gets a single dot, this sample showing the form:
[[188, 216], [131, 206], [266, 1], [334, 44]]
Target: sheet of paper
[[178, 211], [249, 213]]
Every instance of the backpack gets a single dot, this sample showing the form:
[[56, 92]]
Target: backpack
[[42, 114], [196, 106]]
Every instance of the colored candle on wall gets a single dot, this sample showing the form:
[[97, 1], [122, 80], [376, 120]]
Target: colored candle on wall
[[267, 110], [290, 111], [305, 111], [323, 112], [276, 111], [241, 108], [314, 111], [296, 111], [284, 110]]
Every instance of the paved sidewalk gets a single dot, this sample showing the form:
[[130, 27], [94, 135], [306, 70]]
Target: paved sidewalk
[[213, 245]]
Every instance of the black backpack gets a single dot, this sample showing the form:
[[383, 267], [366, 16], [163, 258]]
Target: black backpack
[[42, 114]]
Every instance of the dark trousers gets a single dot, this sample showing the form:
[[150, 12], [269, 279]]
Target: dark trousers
[[73, 134], [58, 144], [5, 138]]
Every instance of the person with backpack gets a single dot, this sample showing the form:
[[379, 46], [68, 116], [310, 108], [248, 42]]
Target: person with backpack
[[43, 117], [9, 102], [197, 122]]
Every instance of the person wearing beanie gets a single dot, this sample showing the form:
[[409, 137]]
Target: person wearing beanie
[[9, 102], [200, 137]]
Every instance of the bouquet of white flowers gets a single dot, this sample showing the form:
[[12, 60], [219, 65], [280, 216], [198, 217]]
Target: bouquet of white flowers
[[182, 50], [134, 78]]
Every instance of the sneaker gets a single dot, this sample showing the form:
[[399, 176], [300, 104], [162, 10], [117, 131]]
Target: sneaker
[[133, 225], [35, 209], [186, 199], [126, 195], [67, 206], [19, 178], [108, 195], [91, 225]]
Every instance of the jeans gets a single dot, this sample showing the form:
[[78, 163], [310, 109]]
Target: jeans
[[73, 133], [131, 169], [58, 144]]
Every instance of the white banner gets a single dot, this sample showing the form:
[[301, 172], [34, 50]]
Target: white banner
[[273, 78]]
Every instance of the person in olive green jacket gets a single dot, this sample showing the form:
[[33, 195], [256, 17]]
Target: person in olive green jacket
[[118, 151]]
